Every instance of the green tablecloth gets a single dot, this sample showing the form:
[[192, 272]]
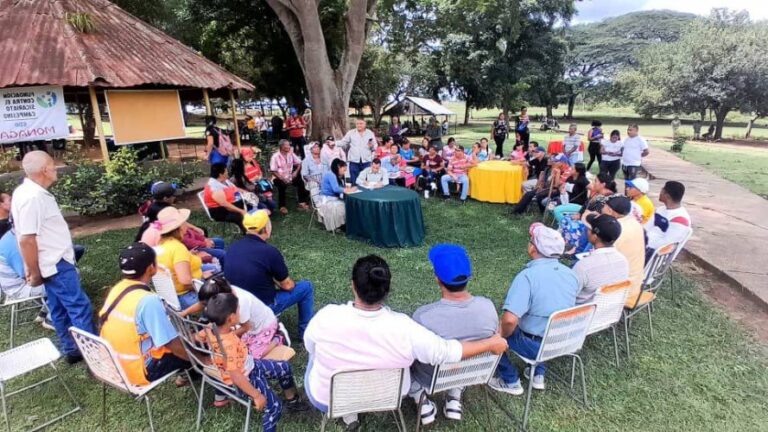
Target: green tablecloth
[[387, 217]]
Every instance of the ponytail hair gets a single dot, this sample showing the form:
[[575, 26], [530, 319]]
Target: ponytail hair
[[371, 279]]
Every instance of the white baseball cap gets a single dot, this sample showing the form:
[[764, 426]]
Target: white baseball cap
[[546, 240]]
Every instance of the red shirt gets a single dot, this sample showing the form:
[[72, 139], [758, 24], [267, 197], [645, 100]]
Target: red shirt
[[299, 125], [252, 170]]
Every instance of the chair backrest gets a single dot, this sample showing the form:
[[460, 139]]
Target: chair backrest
[[658, 266], [468, 372], [102, 360], [314, 193], [610, 301], [200, 352], [566, 331], [201, 197], [374, 390], [162, 282], [681, 245]]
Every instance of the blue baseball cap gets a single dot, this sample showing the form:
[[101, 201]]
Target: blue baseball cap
[[451, 263]]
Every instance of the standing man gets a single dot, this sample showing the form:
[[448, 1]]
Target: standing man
[[46, 246], [572, 145], [697, 130], [296, 127], [635, 149], [360, 143], [259, 268], [544, 287]]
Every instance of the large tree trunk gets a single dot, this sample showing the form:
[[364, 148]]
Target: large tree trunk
[[571, 104], [467, 109], [720, 114], [549, 111], [750, 125], [329, 88]]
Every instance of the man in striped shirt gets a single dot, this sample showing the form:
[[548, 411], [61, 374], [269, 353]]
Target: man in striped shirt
[[572, 145], [457, 173]]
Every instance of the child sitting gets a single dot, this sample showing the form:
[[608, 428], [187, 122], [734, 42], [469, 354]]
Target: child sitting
[[239, 368]]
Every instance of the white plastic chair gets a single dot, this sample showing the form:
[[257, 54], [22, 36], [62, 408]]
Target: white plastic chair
[[477, 370], [564, 336], [314, 200], [104, 364], [203, 358], [658, 266], [162, 282], [27, 358], [366, 391], [18, 306], [201, 197], [610, 302]]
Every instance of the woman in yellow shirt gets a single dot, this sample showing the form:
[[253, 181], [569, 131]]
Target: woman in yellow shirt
[[184, 265]]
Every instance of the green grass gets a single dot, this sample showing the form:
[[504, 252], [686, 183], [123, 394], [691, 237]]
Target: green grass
[[700, 373]]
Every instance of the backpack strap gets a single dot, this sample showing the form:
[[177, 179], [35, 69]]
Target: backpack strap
[[103, 318]]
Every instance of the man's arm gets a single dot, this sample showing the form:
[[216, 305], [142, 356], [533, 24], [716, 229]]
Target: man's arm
[[495, 344], [509, 323], [28, 247], [286, 284]]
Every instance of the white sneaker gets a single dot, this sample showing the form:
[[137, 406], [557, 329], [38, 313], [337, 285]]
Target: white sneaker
[[433, 186], [452, 409], [538, 380], [428, 412], [511, 388]]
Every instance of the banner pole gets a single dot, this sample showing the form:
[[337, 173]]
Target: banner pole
[[233, 107], [207, 101], [99, 126]]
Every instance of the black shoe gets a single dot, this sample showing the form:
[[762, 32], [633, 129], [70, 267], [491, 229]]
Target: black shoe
[[296, 404], [352, 427], [73, 358]]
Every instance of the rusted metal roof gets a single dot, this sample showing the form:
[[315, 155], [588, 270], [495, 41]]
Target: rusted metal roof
[[38, 46]]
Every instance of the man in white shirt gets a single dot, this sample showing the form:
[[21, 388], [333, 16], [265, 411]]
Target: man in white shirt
[[672, 223], [373, 177], [572, 145], [46, 246], [635, 149], [604, 265], [360, 143]]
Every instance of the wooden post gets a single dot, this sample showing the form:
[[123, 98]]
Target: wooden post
[[207, 100], [233, 108], [99, 126]]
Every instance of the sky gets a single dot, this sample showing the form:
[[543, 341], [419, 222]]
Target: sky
[[596, 10]]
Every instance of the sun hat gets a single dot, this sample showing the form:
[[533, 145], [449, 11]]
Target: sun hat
[[451, 264], [170, 218], [547, 241], [256, 221], [640, 184]]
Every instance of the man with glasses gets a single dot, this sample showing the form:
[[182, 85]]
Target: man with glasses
[[542, 288], [635, 149]]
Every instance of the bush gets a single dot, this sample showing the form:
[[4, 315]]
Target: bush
[[119, 187], [678, 143]]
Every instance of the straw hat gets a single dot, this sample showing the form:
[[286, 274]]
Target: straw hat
[[170, 218]]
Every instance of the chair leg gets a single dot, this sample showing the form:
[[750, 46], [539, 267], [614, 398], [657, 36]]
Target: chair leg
[[323, 422], [149, 413], [626, 333], [191, 384], [247, 425], [402, 419], [200, 404], [5, 409], [422, 399], [650, 321], [13, 322], [527, 412], [583, 379], [615, 344], [103, 407], [573, 370], [66, 387]]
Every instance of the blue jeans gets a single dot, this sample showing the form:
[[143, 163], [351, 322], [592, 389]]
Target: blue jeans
[[303, 295], [188, 299], [355, 168], [68, 305], [79, 252], [218, 253], [526, 347], [463, 180]]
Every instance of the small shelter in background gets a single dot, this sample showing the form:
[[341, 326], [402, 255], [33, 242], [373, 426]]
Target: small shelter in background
[[92, 50], [418, 107]]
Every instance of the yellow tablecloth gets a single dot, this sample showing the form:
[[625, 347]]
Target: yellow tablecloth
[[496, 181]]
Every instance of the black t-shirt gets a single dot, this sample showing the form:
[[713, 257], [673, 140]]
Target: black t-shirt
[[214, 132], [500, 128], [277, 125], [5, 226], [537, 167], [579, 193]]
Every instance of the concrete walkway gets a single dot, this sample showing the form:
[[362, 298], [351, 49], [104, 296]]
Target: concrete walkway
[[730, 235]]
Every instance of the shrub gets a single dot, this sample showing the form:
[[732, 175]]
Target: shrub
[[120, 186], [678, 143]]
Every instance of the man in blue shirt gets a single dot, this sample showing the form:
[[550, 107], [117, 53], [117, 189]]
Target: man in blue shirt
[[259, 268], [544, 287]]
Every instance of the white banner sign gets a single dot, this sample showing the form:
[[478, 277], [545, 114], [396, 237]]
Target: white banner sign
[[32, 113]]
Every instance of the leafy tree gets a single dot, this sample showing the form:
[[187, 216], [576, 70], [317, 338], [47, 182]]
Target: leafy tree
[[377, 79], [718, 64]]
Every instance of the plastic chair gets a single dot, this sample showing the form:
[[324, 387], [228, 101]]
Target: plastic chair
[[366, 391], [658, 266], [564, 336], [610, 302], [314, 195], [201, 198], [162, 282], [204, 358], [475, 370], [104, 364], [27, 358], [17, 307]]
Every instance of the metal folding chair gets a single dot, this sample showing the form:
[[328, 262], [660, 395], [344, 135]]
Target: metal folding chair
[[610, 302], [658, 266], [24, 359], [366, 391], [201, 198], [162, 282], [564, 336], [18, 306], [314, 195], [204, 359], [104, 364], [475, 370]]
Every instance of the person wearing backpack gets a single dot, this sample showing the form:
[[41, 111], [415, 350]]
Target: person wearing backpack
[[218, 146], [134, 322]]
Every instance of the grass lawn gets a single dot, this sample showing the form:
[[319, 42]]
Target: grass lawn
[[700, 373]]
